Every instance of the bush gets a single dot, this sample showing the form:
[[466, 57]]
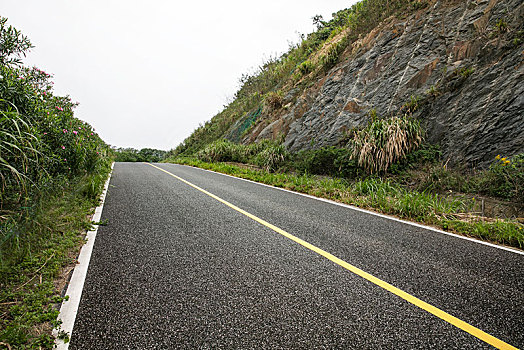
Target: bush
[[39, 135], [505, 178], [331, 161], [385, 141], [306, 67], [426, 154]]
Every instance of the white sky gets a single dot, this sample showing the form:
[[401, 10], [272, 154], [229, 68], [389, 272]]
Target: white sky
[[146, 73]]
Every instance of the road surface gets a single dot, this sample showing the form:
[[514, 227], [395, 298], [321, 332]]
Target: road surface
[[177, 267]]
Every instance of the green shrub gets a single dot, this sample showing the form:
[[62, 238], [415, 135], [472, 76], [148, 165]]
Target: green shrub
[[505, 178], [39, 135], [327, 161], [18, 152], [385, 141], [425, 154]]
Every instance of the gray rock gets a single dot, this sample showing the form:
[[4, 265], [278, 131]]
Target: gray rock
[[473, 117]]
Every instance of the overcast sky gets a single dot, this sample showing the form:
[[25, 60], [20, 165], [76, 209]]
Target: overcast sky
[[146, 73]]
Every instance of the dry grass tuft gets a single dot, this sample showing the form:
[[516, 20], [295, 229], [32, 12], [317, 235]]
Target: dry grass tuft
[[385, 141]]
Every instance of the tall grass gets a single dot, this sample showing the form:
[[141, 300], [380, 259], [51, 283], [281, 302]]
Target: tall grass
[[18, 149], [385, 141]]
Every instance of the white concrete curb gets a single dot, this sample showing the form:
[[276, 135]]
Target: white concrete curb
[[69, 308]]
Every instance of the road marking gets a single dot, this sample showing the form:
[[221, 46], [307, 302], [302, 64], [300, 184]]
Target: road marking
[[69, 308], [497, 246], [480, 334]]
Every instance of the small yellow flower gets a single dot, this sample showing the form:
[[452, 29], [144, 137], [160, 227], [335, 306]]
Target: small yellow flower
[[507, 162], [498, 156], [502, 159]]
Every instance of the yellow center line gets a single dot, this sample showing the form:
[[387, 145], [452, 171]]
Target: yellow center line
[[499, 344]]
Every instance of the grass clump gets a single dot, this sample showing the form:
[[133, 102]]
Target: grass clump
[[272, 157], [222, 151], [267, 154], [385, 141]]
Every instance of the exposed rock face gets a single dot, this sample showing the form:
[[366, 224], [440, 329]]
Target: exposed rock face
[[463, 59]]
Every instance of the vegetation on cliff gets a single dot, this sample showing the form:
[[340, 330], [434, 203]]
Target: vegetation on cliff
[[52, 170], [296, 69]]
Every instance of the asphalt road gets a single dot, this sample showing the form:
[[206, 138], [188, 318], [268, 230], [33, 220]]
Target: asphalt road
[[176, 269]]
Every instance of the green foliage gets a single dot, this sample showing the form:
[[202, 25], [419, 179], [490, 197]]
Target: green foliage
[[143, 155], [330, 58], [306, 67], [222, 151], [272, 157], [39, 136], [433, 91], [267, 154], [412, 105], [503, 179], [52, 169], [17, 152], [40, 246], [274, 99], [504, 232], [385, 141], [501, 26], [425, 154], [466, 72], [13, 45], [331, 161]]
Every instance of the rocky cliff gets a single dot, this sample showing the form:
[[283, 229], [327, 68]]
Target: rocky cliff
[[458, 66]]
